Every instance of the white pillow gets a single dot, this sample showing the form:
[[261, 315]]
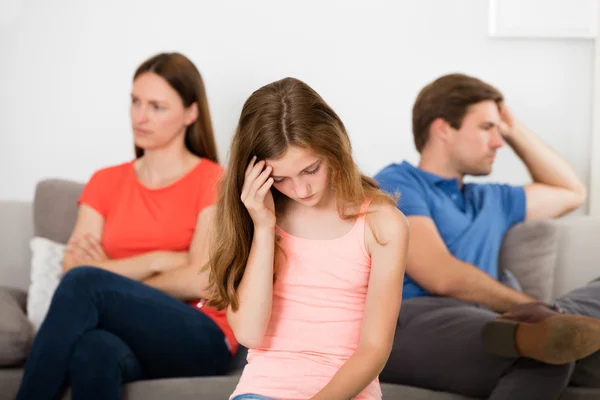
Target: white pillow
[[46, 272]]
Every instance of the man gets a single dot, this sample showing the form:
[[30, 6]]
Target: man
[[452, 292]]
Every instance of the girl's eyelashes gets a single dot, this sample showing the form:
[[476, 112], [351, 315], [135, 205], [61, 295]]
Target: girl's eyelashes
[[313, 171]]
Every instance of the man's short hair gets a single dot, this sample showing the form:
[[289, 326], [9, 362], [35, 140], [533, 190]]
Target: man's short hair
[[448, 97]]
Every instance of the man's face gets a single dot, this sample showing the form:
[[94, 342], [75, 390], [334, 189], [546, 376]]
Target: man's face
[[473, 146]]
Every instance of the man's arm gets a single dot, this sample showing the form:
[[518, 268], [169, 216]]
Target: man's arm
[[435, 269], [556, 189]]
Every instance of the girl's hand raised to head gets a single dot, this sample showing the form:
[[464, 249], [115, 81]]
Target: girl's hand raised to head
[[257, 196]]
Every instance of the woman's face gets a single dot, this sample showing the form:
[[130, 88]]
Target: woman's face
[[158, 115]]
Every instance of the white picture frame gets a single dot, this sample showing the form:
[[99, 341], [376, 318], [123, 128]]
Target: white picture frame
[[573, 19]]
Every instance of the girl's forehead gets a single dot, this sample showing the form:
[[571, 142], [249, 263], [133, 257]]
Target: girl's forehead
[[293, 161]]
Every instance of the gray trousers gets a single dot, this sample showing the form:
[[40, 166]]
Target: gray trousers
[[438, 346]]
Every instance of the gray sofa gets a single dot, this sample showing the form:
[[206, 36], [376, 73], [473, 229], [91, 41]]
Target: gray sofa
[[548, 257]]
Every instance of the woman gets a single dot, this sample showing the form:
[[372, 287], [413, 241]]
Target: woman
[[309, 254], [130, 304]]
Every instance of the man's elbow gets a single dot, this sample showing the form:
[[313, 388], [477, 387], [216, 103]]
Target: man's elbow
[[581, 195], [443, 286], [576, 200]]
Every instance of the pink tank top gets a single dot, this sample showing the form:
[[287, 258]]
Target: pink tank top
[[318, 306]]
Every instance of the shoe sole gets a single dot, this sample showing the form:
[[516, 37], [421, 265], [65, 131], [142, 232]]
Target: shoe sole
[[556, 340]]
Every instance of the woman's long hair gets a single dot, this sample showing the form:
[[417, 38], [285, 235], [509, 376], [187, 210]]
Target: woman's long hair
[[279, 115], [183, 76]]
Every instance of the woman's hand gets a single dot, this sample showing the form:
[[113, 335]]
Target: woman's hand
[[257, 196], [85, 249]]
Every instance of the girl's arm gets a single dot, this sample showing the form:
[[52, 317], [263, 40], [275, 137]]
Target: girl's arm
[[255, 292], [382, 307]]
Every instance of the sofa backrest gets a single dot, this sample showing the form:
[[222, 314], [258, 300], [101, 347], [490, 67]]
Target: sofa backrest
[[55, 209], [52, 215], [529, 250], [16, 229]]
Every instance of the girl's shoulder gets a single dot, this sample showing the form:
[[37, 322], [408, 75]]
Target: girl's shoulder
[[387, 222]]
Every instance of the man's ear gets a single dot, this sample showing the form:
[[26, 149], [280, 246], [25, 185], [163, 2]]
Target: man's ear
[[439, 129]]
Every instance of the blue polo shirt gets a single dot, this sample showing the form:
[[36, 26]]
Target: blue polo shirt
[[472, 221]]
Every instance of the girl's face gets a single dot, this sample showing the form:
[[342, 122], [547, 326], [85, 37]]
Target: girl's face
[[158, 115], [301, 175]]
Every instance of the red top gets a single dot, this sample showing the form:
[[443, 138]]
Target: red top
[[140, 220]]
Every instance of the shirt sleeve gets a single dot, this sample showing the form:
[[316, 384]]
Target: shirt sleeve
[[513, 203], [412, 201], [210, 186], [411, 196], [95, 193]]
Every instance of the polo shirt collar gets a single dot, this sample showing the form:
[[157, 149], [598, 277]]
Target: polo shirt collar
[[432, 178]]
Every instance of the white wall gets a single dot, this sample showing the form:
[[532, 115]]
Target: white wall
[[66, 67]]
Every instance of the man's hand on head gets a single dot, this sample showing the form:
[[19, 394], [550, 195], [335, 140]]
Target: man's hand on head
[[507, 121]]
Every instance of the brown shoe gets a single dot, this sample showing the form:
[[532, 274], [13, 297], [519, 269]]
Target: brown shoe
[[535, 331]]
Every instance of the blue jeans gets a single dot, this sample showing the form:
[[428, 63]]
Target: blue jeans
[[103, 330], [251, 396]]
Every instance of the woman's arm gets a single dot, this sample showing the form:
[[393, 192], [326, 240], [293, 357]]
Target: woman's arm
[[382, 305], [83, 248], [190, 281]]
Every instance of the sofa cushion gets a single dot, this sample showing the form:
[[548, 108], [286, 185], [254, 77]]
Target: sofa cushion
[[530, 251], [16, 333], [587, 372], [220, 387], [10, 380], [46, 272], [55, 208]]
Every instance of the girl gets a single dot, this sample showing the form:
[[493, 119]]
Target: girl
[[311, 272], [128, 307]]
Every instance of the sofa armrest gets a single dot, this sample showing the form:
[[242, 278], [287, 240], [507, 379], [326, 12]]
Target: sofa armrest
[[530, 251], [554, 256], [578, 253], [16, 332]]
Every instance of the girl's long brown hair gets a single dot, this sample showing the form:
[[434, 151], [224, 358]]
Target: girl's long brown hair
[[281, 114], [183, 76]]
